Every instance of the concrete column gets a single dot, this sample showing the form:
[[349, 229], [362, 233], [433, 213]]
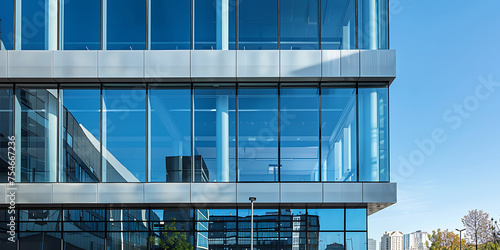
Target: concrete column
[[52, 24], [372, 22], [222, 24], [222, 137], [18, 27]]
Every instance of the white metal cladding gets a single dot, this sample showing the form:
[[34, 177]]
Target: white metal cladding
[[197, 65], [380, 194]]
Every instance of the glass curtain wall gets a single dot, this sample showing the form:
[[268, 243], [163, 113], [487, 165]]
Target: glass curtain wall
[[170, 24], [6, 111], [81, 25], [126, 25], [191, 228], [258, 25], [7, 25], [299, 29], [373, 24], [35, 25], [147, 134], [338, 24], [214, 24]]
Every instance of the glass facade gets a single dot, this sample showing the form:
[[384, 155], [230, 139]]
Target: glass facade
[[188, 228], [197, 24], [197, 133]]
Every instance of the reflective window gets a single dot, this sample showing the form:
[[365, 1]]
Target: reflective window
[[170, 135], [6, 96], [7, 25], [80, 130], [124, 135], [127, 240], [170, 24], [338, 134], [39, 240], [355, 240], [299, 134], [172, 240], [126, 25], [332, 240], [83, 240], [258, 135], [258, 25], [81, 26], [36, 135], [373, 134], [34, 24], [355, 219], [299, 25], [214, 135], [338, 24], [373, 24], [214, 24], [329, 219]]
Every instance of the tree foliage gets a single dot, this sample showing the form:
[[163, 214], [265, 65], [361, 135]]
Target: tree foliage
[[478, 227], [172, 240], [444, 240]]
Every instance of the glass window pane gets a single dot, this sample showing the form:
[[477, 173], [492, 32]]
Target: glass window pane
[[7, 25], [83, 240], [40, 215], [126, 25], [124, 135], [39, 240], [373, 134], [214, 24], [373, 24], [338, 134], [329, 219], [338, 24], [258, 25], [80, 118], [127, 240], [34, 24], [299, 135], [299, 25], [355, 240], [170, 24], [331, 240], [355, 219], [170, 131], [173, 240], [215, 135], [36, 135], [81, 25], [258, 135], [6, 96]]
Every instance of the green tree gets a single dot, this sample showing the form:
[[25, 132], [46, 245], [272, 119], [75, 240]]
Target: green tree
[[444, 240], [171, 239], [478, 227]]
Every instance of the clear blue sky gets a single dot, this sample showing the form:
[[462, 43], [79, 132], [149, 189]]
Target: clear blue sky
[[443, 49]]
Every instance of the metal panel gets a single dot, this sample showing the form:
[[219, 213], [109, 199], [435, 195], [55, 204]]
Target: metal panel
[[167, 192], [3, 188], [378, 63], [167, 64], [120, 192], [213, 192], [351, 192], [300, 63], [264, 192], [330, 64], [254, 64], [29, 64], [301, 192], [3, 65], [34, 193], [75, 64], [349, 63], [121, 64], [213, 64], [380, 192], [74, 192], [332, 192]]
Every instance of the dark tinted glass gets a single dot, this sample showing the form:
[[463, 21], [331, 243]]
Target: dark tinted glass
[[7, 25], [81, 25], [34, 34], [6, 158], [170, 24], [126, 25]]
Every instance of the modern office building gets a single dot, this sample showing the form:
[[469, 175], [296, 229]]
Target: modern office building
[[148, 124], [416, 241], [372, 244], [392, 240]]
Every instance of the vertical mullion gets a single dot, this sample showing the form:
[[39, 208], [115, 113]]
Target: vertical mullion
[[319, 23], [192, 29], [279, 24], [388, 140], [59, 23], [357, 133], [279, 133], [147, 132], [237, 5], [59, 103], [320, 168], [192, 134], [100, 134], [148, 30], [237, 135]]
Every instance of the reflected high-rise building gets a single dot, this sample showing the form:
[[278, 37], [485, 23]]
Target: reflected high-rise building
[[130, 124]]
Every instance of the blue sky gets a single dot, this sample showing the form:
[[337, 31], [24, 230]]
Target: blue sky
[[446, 51]]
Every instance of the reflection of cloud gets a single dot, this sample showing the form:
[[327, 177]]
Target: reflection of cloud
[[413, 198]]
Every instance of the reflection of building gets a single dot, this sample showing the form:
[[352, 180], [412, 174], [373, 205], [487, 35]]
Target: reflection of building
[[391, 240], [334, 246], [179, 169], [416, 241]]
